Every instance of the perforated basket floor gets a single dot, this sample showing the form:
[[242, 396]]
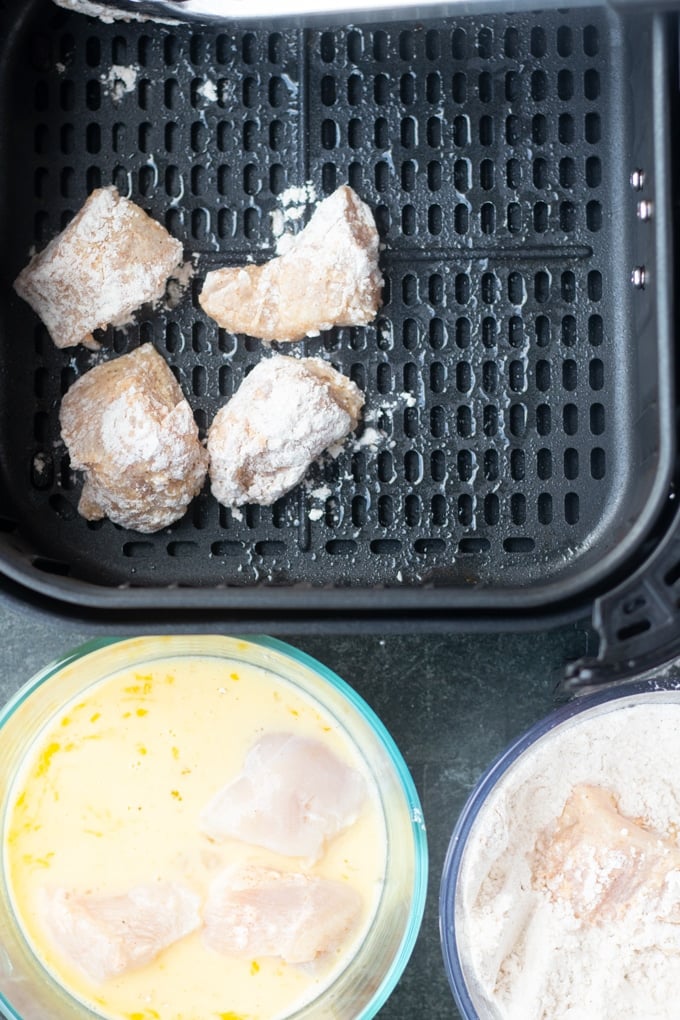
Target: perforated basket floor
[[517, 417]]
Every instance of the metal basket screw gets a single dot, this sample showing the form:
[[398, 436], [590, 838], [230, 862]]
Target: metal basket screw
[[637, 180], [638, 277]]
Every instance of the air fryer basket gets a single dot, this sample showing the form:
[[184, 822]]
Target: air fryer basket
[[519, 439]]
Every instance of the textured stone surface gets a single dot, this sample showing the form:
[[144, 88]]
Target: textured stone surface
[[451, 702]]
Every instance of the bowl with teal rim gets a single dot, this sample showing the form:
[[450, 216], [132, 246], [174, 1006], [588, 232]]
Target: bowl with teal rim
[[28, 991]]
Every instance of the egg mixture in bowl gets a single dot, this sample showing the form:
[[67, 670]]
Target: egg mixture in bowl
[[202, 827]]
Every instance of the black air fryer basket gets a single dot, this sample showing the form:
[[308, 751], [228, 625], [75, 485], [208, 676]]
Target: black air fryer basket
[[519, 450]]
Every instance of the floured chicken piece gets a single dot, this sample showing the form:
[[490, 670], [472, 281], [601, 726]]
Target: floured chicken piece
[[128, 427], [108, 935], [292, 797], [285, 413], [256, 911], [600, 861], [328, 277], [109, 14], [109, 260]]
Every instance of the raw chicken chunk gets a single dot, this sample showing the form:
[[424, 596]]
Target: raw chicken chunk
[[285, 413], [128, 427], [292, 797], [107, 935], [328, 277], [255, 911], [109, 260], [599, 860]]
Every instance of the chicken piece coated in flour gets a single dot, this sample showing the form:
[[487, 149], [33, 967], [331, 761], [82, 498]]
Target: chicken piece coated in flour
[[599, 860], [285, 413], [107, 935], [292, 796], [128, 426], [256, 911], [109, 260], [329, 277]]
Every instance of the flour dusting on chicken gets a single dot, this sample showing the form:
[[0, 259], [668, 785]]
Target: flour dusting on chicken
[[285, 413], [329, 276]]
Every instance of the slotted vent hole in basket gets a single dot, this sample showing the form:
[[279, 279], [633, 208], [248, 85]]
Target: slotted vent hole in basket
[[481, 146]]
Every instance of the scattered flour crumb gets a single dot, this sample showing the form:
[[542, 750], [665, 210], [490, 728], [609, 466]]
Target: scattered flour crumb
[[60, 67], [237, 514], [386, 331], [178, 283], [40, 464], [295, 202], [278, 221], [323, 492], [303, 195], [228, 92], [334, 450], [208, 90], [402, 399], [295, 212], [120, 80], [370, 437], [315, 514]]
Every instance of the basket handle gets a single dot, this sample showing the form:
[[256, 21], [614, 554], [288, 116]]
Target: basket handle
[[638, 623]]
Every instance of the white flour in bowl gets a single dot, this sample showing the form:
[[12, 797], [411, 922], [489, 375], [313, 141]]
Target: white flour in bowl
[[568, 900]]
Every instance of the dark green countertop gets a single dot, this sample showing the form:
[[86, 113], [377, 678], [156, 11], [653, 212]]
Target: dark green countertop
[[451, 703]]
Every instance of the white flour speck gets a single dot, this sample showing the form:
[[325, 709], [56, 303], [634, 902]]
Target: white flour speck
[[208, 90], [294, 204], [178, 283], [40, 464], [370, 437], [120, 80]]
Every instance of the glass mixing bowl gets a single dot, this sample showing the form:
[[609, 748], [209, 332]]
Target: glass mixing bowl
[[483, 804], [27, 989]]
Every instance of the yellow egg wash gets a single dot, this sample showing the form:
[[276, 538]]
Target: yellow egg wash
[[109, 798]]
